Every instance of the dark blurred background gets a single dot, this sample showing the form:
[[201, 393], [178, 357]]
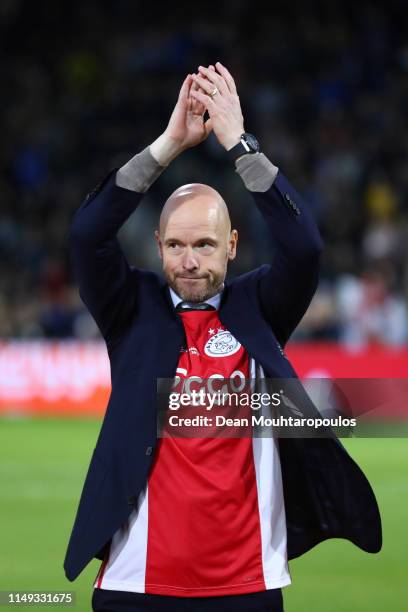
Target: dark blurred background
[[323, 85]]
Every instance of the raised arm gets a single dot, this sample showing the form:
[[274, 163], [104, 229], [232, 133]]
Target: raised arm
[[108, 285], [285, 286]]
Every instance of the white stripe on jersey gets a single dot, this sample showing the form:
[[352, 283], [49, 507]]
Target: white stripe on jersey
[[126, 568], [270, 503]]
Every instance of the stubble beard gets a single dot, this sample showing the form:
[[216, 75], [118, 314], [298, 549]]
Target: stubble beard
[[208, 287]]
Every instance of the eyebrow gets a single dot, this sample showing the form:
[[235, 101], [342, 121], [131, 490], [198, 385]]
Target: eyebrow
[[210, 239]]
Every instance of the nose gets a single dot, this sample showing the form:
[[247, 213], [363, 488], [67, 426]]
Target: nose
[[190, 260]]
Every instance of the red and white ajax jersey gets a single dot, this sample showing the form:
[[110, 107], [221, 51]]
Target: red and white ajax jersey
[[211, 519]]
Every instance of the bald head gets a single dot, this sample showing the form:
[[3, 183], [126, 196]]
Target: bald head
[[196, 241], [196, 201]]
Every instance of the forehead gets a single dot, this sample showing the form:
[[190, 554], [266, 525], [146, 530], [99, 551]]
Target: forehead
[[195, 215]]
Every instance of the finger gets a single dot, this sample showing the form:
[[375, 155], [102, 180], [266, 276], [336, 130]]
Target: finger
[[183, 98], [227, 77], [183, 94], [206, 85], [192, 103], [206, 100], [196, 106], [195, 85], [215, 78]]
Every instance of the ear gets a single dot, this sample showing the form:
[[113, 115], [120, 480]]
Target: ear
[[159, 243], [232, 244]]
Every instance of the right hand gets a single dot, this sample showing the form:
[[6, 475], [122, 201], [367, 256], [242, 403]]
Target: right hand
[[187, 127]]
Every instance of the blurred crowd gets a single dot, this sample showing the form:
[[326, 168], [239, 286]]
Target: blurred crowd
[[323, 85]]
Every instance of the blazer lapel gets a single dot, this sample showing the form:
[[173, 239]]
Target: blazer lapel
[[248, 326]]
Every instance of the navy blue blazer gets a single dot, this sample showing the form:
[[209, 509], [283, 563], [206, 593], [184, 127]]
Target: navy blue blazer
[[326, 494]]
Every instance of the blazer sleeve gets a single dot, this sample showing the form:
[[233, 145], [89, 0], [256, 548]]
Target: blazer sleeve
[[107, 284], [286, 286]]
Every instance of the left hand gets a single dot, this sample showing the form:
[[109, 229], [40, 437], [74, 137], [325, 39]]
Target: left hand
[[223, 107]]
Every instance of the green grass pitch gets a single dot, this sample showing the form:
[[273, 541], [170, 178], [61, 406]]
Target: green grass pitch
[[42, 468]]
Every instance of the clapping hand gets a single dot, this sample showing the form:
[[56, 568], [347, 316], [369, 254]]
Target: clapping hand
[[187, 127], [213, 90], [217, 93]]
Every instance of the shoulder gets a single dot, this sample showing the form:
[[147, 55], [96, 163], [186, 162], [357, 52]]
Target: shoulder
[[248, 282]]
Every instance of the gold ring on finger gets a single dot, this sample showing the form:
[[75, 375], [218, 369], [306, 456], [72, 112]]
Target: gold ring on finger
[[214, 91]]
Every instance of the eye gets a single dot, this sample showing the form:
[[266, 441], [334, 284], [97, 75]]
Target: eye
[[205, 245]]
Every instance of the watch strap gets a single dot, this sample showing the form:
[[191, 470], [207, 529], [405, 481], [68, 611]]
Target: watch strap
[[241, 148]]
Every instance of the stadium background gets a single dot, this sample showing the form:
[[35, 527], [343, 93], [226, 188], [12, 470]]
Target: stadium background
[[88, 84]]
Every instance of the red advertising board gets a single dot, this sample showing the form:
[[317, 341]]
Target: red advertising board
[[73, 378]]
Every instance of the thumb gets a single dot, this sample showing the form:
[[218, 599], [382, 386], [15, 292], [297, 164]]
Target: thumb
[[208, 127]]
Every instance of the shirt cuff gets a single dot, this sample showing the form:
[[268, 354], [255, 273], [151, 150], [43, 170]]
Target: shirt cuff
[[257, 172], [139, 173]]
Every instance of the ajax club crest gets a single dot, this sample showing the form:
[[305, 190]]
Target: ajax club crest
[[221, 344]]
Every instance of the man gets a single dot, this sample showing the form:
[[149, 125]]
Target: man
[[202, 523]]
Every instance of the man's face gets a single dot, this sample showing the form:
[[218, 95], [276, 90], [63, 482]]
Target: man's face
[[195, 245]]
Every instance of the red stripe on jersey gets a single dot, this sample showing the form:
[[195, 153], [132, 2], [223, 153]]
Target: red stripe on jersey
[[102, 568]]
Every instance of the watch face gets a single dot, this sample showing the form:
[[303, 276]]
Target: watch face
[[251, 141]]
